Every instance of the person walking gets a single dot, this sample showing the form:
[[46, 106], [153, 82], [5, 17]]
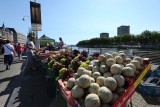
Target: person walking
[[19, 50], [30, 49], [9, 54]]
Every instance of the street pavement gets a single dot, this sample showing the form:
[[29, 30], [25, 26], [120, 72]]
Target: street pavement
[[21, 87]]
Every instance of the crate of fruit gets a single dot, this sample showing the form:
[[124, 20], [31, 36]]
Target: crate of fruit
[[107, 81]]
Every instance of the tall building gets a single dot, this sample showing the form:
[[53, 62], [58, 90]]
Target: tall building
[[123, 30], [104, 35]]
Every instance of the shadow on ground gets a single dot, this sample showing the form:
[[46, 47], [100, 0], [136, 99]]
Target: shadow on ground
[[150, 99], [36, 91]]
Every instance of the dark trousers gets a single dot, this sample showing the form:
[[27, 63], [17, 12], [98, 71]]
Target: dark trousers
[[8, 59]]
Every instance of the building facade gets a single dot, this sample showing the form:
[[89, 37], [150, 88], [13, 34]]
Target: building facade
[[123, 30], [104, 35], [12, 35]]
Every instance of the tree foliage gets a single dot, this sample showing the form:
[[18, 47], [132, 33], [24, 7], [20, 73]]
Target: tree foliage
[[145, 38]]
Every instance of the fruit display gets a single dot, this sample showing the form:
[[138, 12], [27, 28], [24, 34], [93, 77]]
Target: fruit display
[[104, 80]]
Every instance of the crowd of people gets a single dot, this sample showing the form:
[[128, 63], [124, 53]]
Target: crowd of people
[[10, 51]]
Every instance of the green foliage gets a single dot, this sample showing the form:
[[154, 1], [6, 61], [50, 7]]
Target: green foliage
[[46, 41], [145, 38]]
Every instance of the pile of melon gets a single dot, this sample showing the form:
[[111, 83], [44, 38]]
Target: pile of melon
[[103, 81]]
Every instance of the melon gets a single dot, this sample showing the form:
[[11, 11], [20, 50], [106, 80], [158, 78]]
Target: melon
[[114, 54], [95, 69], [84, 81], [100, 81], [115, 98], [96, 63], [92, 100], [136, 63], [92, 80], [111, 83], [105, 94], [93, 88], [95, 75], [76, 75], [139, 59], [103, 63], [120, 52], [120, 91], [132, 66], [128, 60], [118, 60], [101, 58], [107, 56], [107, 74], [70, 83], [65, 83], [103, 69], [76, 81], [106, 105], [116, 69], [136, 72], [119, 79], [77, 92], [110, 62], [123, 56], [90, 67], [80, 71], [127, 71]]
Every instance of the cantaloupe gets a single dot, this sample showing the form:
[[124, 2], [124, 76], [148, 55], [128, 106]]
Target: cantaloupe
[[76, 75], [90, 67], [77, 92], [110, 62], [95, 75], [114, 54], [107, 56], [123, 56], [96, 69], [107, 74], [104, 68], [106, 105], [127, 71], [136, 63], [115, 98], [139, 59], [84, 81], [128, 60], [93, 88], [101, 58], [132, 66], [100, 81], [119, 79], [105, 95], [111, 83], [76, 81], [80, 71], [70, 83], [118, 60], [92, 100], [96, 62], [92, 80], [120, 91], [116, 69]]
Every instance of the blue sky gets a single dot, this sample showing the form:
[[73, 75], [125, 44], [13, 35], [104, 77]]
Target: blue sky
[[76, 20]]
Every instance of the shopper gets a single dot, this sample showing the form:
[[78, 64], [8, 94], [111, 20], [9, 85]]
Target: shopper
[[30, 49], [19, 50], [9, 54]]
